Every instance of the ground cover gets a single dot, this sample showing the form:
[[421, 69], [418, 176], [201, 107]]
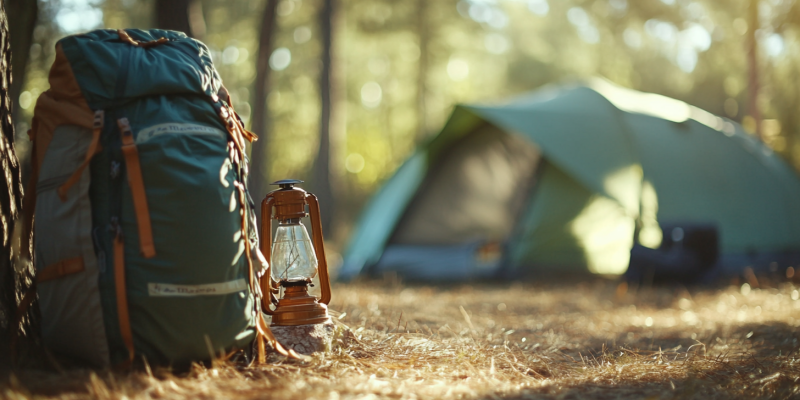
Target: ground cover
[[592, 339]]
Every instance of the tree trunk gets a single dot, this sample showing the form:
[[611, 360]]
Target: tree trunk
[[321, 174], [25, 13], [752, 63], [181, 15], [259, 153], [10, 196], [423, 34]]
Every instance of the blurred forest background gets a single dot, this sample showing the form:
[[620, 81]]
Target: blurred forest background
[[396, 68]]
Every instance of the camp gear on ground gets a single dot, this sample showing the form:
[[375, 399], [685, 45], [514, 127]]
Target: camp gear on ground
[[565, 178], [145, 242], [293, 258], [687, 253]]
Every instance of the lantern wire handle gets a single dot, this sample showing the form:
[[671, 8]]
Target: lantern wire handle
[[316, 230], [268, 285]]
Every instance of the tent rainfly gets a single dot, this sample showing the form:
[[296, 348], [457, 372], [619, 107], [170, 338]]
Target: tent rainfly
[[558, 181]]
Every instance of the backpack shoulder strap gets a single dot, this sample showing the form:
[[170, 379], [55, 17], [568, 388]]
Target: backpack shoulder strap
[[136, 183], [62, 104], [94, 148]]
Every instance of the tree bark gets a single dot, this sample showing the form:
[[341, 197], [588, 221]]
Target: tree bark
[[259, 116], [25, 13], [321, 174], [181, 15], [423, 34], [752, 64], [10, 196]]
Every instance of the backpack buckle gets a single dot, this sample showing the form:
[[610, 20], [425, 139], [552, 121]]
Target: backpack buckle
[[125, 128], [99, 116], [114, 227]]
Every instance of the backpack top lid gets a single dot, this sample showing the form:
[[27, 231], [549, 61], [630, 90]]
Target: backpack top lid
[[111, 71]]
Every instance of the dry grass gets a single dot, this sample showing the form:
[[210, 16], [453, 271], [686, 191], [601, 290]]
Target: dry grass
[[546, 340]]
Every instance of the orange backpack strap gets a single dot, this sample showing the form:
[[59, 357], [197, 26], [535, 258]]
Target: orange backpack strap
[[122, 292], [60, 269], [94, 148], [265, 336], [136, 183]]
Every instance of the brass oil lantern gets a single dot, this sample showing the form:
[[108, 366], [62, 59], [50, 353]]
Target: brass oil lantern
[[293, 260]]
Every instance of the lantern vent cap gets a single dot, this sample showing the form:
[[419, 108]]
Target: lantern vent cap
[[287, 183]]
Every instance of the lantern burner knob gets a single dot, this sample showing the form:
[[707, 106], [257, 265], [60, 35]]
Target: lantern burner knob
[[287, 183]]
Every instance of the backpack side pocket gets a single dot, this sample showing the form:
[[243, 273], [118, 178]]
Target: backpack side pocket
[[72, 316]]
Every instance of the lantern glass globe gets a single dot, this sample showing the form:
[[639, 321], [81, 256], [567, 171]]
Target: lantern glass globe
[[293, 257]]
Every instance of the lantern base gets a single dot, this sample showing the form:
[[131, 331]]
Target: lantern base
[[297, 307]]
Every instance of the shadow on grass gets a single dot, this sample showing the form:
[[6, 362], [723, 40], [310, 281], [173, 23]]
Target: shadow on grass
[[739, 361]]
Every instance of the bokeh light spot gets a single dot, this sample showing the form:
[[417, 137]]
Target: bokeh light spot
[[354, 163], [280, 59], [457, 69], [539, 7], [230, 55], [25, 100], [371, 94], [496, 43], [302, 34], [774, 45], [632, 38], [78, 15]]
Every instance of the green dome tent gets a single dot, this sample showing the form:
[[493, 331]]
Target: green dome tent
[[559, 180]]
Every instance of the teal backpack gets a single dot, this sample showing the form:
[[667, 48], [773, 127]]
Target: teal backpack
[[145, 242]]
